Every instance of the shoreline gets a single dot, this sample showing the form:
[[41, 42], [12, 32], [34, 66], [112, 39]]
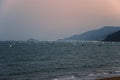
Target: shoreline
[[110, 78]]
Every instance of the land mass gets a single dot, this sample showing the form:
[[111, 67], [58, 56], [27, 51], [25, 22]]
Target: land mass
[[95, 35], [114, 37], [112, 78]]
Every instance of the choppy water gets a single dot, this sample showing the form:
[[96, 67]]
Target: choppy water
[[58, 60]]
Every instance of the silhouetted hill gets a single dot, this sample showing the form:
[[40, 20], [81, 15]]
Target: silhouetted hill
[[95, 35], [113, 37]]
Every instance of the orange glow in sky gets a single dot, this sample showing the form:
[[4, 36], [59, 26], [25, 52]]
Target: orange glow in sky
[[60, 18], [116, 5]]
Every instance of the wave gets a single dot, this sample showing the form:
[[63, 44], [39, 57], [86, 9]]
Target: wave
[[88, 76]]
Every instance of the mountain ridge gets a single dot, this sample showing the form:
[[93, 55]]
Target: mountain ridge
[[114, 37], [95, 35]]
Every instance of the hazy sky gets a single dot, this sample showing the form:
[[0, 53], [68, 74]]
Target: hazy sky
[[55, 19]]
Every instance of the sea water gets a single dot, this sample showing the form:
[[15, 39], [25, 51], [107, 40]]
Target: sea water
[[21, 60]]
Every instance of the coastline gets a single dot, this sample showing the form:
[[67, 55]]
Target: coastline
[[110, 78]]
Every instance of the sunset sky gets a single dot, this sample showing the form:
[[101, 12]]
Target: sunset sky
[[55, 19]]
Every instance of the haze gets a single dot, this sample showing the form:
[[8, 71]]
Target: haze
[[55, 19]]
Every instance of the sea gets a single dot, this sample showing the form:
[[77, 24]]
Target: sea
[[59, 60]]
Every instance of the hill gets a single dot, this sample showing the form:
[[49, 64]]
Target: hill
[[95, 35], [113, 37]]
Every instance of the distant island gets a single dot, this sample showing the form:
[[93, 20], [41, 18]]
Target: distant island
[[32, 40], [94, 35]]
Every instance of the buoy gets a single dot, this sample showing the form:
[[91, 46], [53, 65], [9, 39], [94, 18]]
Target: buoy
[[99, 45], [83, 45]]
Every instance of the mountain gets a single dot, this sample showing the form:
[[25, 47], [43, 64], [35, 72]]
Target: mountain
[[95, 35], [113, 37]]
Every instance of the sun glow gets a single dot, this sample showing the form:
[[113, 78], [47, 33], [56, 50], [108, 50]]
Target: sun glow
[[115, 5], [53, 18]]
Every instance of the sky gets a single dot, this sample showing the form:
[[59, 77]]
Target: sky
[[55, 19]]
